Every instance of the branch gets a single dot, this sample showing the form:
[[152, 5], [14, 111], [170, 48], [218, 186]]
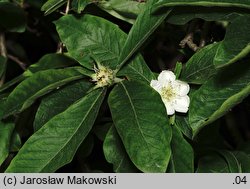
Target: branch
[[15, 59], [188, 39], [204, 34], [3, 52], [60, 44], [67, 7]]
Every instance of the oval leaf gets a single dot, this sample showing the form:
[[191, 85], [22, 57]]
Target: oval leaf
[[91, 35], [51, 61], [214, 98], [235, 45], [56, 143], [182, 156], [182, 15], [234, 165], [212, 163], [205, 3], [48, 61], [52, 5], [115, 153], [183, 125], [6, 130], [200, 67], [79, 5], [123, 9], [141, 120], [244, 160], [145, 24], [60, 100], [38, 85], [137, 70]]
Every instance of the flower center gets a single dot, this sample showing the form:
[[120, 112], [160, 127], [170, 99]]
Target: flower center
[[104, 77], [168, 93]]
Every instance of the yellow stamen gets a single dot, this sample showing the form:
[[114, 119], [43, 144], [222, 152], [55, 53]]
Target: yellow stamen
[[168, 93]]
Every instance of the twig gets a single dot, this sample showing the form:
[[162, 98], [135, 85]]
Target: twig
[[204, 34], [192, 45], [3, 52], [60, 44], [67, 7], [15, 59], [59, 48], [188, 39]]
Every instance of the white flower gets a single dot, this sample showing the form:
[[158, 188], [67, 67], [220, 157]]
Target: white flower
[[173, 92]]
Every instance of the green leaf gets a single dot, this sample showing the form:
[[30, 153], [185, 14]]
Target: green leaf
[[206, 3], [145, 24], [6, 130], [2, 66], [56, 143], [141, 121], [183, 125], [48, 61], [2, 104], [178, 69], [60, 100], [38, 85], [236, 161], [236, 44], [202, 65], [182, 15], [234, 165], [199, 68], [91, 36], [217, 96], [15, 143], [126, 10], [12, 82], [115, 153], [244, 161], [212, 163], [51, 61], [79, 5], [12, 17], [52, 5], [101, 44], [127, 7], [182, 156], [137, 70]]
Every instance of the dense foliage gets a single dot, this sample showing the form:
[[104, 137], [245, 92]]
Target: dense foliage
[[75, 92]]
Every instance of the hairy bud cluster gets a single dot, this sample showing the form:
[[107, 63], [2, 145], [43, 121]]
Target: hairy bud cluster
[[103, 76]]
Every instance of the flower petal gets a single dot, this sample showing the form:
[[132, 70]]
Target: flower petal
[[156, 85], [169, 107], [181, 88], [181, 104], [165, 77]]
